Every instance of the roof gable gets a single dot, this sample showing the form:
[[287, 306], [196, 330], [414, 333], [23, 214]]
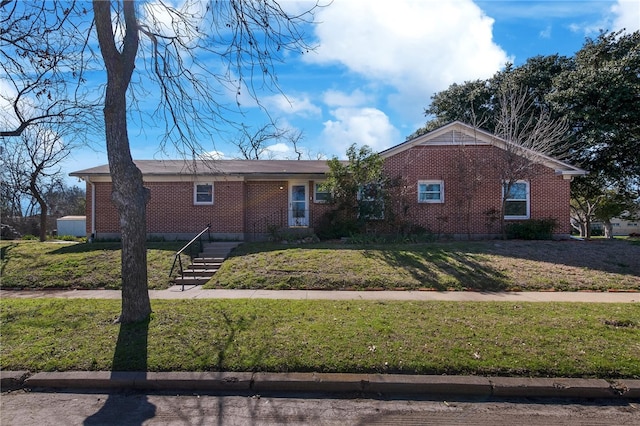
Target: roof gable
[[459, 134]]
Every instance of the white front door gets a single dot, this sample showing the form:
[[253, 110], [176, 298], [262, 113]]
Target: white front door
[[298, 204]]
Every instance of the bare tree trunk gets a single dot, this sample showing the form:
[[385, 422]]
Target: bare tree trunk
[[129, 194], [33, 188], [608, 229], [130, 197], [43, 222]]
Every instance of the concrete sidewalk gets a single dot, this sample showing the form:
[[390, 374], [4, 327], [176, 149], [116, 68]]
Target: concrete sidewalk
[[376, 384], [197, 292]]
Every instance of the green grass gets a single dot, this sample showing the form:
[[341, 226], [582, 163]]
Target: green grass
[[493, 338], [31, 264], [479, 265]]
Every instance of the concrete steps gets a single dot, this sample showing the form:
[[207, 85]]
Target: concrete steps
[[207, 263]]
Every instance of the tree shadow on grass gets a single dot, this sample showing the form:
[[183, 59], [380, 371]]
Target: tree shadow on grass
[[442, 270], [130, 355], [610, 256]]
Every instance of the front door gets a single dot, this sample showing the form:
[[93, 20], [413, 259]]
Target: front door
[[298, 207]]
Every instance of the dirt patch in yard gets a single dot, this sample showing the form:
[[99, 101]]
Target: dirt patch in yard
[[568, 265]]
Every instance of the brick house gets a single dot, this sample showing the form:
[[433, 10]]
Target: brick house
[[450, 184]]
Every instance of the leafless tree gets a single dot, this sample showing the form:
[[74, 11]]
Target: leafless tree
[[253, 145], [189, 61], [11, 180], [469, 171], [244, 39], [32, 167], [582, 213], [42, 63], [295, 137], [530, 134]]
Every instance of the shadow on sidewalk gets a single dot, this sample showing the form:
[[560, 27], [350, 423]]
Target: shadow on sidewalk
[[130, 355]]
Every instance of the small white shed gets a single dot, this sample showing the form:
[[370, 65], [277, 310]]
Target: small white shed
[[72, 225]]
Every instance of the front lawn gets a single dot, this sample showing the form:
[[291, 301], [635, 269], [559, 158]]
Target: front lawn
[[49, 265], [480, 265], [492, 338]]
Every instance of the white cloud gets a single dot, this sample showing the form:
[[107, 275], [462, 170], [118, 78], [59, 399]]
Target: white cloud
[[175, 18], [301, 105], [546, 33], [362, 126], [278, 150], [337, 98], [213, 155], [416, 47], [626, 15], [623, 14], [7, 94]]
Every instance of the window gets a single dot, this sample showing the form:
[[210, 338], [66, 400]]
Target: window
[[371, 201], [430, 191], [320, 194], [517, 200], [203, 193]]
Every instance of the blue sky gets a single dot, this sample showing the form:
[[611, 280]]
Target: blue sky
[[378, 63]]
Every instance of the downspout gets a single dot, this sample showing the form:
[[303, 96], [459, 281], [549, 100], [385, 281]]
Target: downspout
[[93, 207]]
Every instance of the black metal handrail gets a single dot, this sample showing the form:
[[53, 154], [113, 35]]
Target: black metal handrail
[[177, 257]]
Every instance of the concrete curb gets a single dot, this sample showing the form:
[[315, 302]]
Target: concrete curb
[[385, 384]]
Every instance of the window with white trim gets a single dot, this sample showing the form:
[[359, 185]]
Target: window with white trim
[[517, 200], [320, 193], [371, 201], [202, 193], [431, 191]]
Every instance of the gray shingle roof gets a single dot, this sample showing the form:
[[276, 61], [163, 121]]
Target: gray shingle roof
[[219, 167]]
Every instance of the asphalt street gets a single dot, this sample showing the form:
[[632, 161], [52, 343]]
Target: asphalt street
[[21, 408]]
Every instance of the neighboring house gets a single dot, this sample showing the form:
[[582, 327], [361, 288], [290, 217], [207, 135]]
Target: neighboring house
[[619, 227], [450, 184]]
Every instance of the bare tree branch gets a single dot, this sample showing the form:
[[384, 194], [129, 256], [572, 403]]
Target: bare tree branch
[[41, 52]]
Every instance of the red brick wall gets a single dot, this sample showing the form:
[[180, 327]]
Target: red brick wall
[[171, 208], [267, 205], [472, 189], [106, 214], [251, 207]]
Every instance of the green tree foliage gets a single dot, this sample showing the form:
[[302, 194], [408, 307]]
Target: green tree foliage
[[600, 95], [597, 92], [612, 204], [477, 102], [470, 102], [358, 189]]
